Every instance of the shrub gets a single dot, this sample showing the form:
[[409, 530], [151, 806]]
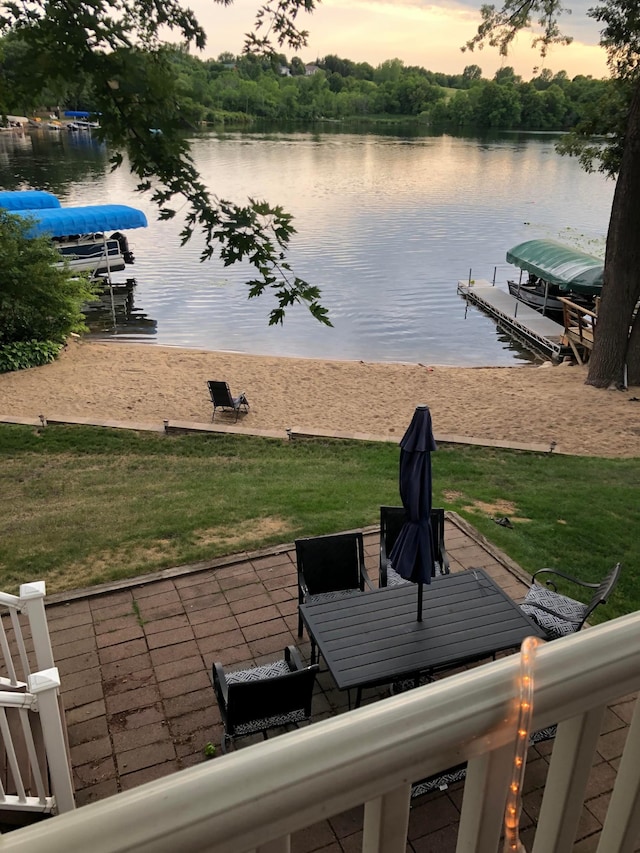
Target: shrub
[[22, 354], [40, 298]]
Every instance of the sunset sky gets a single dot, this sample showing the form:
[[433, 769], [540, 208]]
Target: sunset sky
[[419, 32]]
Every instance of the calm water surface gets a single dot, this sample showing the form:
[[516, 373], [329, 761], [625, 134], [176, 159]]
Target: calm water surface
[[386, 227]]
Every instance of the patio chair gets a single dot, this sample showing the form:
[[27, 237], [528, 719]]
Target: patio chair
[[441, 781], [557, 614], [330, 567], [255, 700], [391, 520], [222, 398]]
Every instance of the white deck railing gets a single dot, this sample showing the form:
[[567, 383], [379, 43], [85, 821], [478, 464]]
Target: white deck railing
[[35, 770], [30, 602], [252, 800]]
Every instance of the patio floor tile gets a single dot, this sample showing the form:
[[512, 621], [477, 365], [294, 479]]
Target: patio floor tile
[[135, 665]]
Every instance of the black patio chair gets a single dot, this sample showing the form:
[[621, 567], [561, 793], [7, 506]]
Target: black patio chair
[[330, 567], [441, 781], [391, 520], [222, 398], [261, 698], [559, 615]]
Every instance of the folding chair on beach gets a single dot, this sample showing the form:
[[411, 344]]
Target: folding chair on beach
[[222, 398]]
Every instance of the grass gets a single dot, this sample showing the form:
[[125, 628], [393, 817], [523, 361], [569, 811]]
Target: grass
[[83, 505]]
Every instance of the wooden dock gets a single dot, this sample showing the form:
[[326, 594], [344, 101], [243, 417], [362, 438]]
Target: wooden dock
[[515, 317]]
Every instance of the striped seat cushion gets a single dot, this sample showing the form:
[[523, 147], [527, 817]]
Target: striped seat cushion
[[401, 685], [258, 673], [394, 579], [332, 596], [555, 624], [441, 781]]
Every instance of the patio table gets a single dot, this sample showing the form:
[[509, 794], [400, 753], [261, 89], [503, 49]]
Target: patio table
[[374, 638]]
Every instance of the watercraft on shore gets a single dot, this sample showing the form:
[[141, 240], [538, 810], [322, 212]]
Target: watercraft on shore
[[554, 271], [546, 298], [79, 233], [13, 122], [28, 200], [80, 120], [87, 126]]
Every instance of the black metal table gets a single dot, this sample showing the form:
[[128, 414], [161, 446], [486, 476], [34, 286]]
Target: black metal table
[[374, 638]]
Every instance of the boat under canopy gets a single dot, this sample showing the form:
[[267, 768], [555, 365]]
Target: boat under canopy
[[83, 220], [28, 200], [569, 269]]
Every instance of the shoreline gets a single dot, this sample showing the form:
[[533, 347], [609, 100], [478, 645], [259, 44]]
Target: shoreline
[[138, 383], [116, 341]]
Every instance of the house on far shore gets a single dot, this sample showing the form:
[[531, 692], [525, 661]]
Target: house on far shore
[[311, 69]]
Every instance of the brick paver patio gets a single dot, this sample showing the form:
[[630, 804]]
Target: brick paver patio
[[135, 661]]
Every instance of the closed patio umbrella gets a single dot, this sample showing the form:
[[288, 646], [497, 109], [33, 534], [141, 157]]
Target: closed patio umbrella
[[411, 555]]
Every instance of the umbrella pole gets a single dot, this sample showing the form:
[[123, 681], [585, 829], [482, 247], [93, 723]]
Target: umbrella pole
[[420, 602]]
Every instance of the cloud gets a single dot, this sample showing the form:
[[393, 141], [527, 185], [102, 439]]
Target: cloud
[[428, 34]]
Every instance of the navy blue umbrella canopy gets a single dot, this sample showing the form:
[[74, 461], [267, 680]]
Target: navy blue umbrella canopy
[[412, 554]]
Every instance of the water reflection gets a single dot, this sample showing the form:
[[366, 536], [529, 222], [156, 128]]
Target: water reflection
[[113, 312], [386, 223], [50, 160]]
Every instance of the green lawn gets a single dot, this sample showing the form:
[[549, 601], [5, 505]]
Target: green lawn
[[82, 505]]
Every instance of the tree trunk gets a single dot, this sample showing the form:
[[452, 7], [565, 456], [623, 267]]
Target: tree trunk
[[613, 349], [633, 354]]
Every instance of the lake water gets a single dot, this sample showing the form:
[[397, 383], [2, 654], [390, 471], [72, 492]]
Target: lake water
[[386, 227]]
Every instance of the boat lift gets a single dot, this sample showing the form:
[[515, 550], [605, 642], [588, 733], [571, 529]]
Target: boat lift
[[89, 220], [521, 321]]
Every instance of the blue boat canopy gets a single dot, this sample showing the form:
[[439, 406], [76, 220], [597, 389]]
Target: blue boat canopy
[[77, 114], [84, 220], [569, 269], [27, 200]]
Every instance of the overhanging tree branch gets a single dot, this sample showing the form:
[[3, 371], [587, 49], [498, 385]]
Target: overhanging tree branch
[[117, 46]]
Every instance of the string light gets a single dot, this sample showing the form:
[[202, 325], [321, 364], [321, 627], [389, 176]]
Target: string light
[[512, 843]]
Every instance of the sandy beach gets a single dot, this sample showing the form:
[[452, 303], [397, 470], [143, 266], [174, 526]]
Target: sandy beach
[[146, 383]]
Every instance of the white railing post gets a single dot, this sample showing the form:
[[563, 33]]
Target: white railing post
[[7, 656], [254, 799], [32, 594], [571, 761], [12, 758], [45, 686], [622, 824], [386, 822], [484, 800]]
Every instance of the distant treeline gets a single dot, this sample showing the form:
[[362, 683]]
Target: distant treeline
[[334, 88], [244, 87]]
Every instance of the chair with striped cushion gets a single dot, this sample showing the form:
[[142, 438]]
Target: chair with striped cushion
[[559, 615], [391, 520], [255, 700], [441, 781], [330, 567]]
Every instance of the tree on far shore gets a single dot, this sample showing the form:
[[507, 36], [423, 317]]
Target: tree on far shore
[[615, 359], [117, 46]]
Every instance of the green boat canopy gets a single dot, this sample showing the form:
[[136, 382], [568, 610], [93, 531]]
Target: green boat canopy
[[567, 268]]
